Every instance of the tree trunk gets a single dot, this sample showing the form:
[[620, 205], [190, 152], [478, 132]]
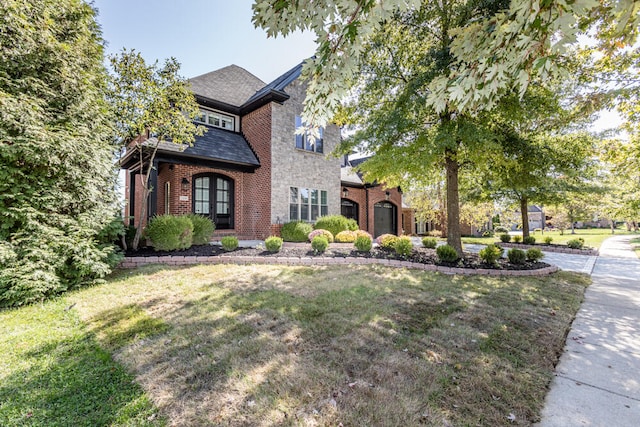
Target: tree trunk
[[524, 212], [453, 203], [145, 191], [613, 226]]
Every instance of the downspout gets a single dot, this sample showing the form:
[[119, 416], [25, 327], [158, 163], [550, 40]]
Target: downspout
[[366, 203]]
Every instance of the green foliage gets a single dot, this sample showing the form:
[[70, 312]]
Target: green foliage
[[491, 253], [447, 253], [203, 229], [387, 241], [534, 254], [229, 243], [57, 178], [529, 240], [363, 233], [488, 233], [429, 242], [335, 224], [501, 229], [517, 238], [363, 243], [319, 244], [548, 240], [575, 243], [403, 246], [346, 236], [321, 232], [170, 232], [273, 243], [296, 231], [505, 238], [516, 256]]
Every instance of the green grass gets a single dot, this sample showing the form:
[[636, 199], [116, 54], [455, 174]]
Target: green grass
[[54, 373], [635, 244], [277, 345], [593, 237]]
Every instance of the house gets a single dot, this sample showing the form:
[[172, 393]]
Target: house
[[250, 172]]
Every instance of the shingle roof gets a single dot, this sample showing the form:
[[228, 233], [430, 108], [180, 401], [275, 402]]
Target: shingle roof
[[349, 176], [232, 85], [279, 84], [216, 145]]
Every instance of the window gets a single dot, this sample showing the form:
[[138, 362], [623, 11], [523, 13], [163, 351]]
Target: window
[[307, 204], [305, 142], [215, 119], [213, 197]]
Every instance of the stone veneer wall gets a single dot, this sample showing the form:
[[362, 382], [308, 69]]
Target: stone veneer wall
[[299, 168]]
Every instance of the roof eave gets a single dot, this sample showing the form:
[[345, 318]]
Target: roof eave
[[217, 105], [270, 96]]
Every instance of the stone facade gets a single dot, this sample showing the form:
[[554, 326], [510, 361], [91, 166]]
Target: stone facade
[[294, 167]]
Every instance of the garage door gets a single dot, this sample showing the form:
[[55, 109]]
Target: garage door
[[385, 215]]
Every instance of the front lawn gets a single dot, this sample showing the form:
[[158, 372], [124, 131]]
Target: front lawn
[[635, 244], [593, 237], [277, 345]]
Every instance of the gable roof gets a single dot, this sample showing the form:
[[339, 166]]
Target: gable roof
[[231, 85]]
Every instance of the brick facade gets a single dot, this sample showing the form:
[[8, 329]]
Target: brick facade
[[366, 198]]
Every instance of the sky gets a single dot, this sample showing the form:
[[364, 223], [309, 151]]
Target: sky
[[203, 35]]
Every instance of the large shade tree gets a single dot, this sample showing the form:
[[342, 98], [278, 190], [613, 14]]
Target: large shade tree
[[57, 181]]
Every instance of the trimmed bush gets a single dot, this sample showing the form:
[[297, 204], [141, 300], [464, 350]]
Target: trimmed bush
[[296, 231], [488, 233], [363, 243], [446, 253], [335, 224], [387, 241], [505, 238], [319, 244], [548, 240], [346, 236], [229, 243], [203, 228], [363, 233], [517, 238], [403, 246], [491, 254], [429, 242], [273, 244], [170, 232], [529, 240], [575, 243], [534, 254], [516, 256], [321, 232], [501, 229]]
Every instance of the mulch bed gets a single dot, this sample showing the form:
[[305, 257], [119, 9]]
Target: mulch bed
[[419, 255]]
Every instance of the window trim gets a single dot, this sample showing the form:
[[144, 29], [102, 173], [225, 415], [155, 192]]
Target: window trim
[[322, 208], [220, 116], [213, 197], [301, 141]]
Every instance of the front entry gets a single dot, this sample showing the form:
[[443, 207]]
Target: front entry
[[385, 216], [213, 197], [349, 209]]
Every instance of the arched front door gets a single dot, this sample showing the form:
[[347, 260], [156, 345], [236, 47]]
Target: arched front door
[[213, 197], [385, 220], [349, 209]]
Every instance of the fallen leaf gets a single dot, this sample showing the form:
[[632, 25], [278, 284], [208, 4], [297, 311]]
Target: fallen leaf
[[511, 417]]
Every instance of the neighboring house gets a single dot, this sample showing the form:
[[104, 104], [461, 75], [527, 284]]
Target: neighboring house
[[377, 209], [250, 173]]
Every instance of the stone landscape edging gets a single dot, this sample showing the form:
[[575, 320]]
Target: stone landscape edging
[[134, 262], [547, 248]]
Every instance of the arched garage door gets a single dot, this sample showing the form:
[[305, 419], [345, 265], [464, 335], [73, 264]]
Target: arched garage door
[[385, 216]]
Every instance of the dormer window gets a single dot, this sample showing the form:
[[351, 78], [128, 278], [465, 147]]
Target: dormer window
[[215, 119]]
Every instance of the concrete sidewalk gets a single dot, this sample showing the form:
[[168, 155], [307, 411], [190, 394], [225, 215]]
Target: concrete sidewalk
[[597, 381]]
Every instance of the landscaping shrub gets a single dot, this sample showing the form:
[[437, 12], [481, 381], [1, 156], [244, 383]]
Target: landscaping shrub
[[446, 253], [203, 229], [335, 224], [501, 229], [363, 233], [273, 243], [363, 243], [505, 238], [296, 231], [516, 256], [575, 243], [548, 240], [170, 232], [529, 240], [517, 238], [534, 254], [403, 246], [387, 241], [346, 236], [429, 242], [319, 243], [321, 232], [488, 233], [229, 243], [435, 233], [491, 254]]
